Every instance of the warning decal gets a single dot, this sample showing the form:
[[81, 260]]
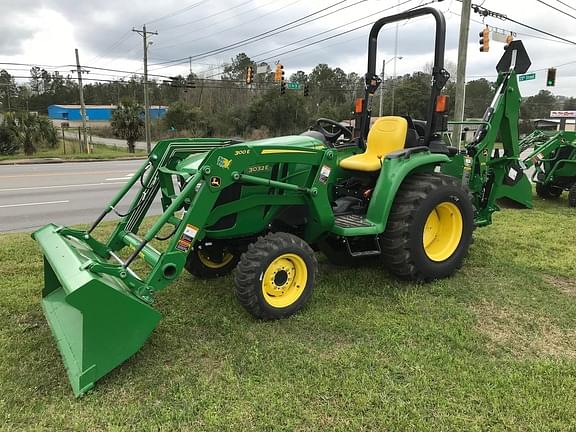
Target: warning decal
[[324, 173], [187, 238]]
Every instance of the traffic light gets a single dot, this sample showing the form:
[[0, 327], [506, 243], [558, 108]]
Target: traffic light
[[306, 90], [282, 87], [551, 77], [485, 39], [279, 72], [249, 75]]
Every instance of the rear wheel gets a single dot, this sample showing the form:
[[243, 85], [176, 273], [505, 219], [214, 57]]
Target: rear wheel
[[275, 276], [211, 261], [429, 228], [572, 195], [547, 191]]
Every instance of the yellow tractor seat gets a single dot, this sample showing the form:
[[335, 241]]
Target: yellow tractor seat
[[388, 134]]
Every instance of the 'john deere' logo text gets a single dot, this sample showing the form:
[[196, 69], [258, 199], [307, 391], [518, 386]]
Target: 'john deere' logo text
[[222, 162]]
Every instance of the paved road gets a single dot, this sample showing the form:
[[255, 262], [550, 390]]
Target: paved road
[[113, 142], [66, 193]]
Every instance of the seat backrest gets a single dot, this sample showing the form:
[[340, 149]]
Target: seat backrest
[[388, 134]]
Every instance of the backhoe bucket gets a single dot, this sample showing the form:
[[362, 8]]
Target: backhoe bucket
[[519, 193], [97, 322]]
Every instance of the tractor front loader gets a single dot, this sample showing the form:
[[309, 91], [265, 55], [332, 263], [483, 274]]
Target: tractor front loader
[[263, 208], [553, 156]]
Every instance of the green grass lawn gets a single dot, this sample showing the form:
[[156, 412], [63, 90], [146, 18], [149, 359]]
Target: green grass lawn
[[71, 150], [492, 348]]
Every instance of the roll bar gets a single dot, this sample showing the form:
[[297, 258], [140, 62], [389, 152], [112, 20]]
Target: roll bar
[[439, 74]]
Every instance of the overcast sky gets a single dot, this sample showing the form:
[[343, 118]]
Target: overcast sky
[[45, 32]]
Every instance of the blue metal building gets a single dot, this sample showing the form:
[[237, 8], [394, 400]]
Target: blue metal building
[[95, 112]]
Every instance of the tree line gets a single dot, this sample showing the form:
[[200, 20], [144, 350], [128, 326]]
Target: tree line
[[228, 107]]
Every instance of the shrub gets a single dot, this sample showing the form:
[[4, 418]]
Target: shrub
[[8, 141], [127, 123]]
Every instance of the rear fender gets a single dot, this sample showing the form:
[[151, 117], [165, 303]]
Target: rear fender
[[394, 171]]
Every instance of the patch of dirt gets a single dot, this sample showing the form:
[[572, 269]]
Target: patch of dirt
[[523, 334], [565, 285]]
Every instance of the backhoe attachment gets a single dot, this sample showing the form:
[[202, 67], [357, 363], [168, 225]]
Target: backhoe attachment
[[491, 172]]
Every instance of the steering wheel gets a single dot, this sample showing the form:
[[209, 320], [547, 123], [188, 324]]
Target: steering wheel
[[331, 137]]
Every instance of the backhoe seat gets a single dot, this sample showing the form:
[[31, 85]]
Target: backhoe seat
[[388, 134]]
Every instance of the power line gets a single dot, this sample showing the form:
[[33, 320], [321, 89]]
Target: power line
[[111, 47], [327, 38], [37, 65], [541, 31], [557, 9], [206, 17], [227, 29], [324, 32], [519, 33], [567, 5], [265, 34], [177, 12], [52, 67], [486, 12], [337, 34]]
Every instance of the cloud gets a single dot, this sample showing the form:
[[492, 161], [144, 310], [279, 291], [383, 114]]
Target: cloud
[[14, 23], [102, 33]]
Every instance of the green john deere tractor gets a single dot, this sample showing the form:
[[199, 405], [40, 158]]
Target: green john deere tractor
[[262, 208], [553, 155]]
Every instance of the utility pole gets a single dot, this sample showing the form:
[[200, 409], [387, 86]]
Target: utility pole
[[144, 35], [82, 106], [382, 85], [382, 89], [461, 71]]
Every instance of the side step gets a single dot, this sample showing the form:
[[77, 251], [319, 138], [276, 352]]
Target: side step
[[351, 221], [359, 247]]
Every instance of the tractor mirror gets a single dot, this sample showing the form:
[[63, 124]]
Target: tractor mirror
[[372, 83]]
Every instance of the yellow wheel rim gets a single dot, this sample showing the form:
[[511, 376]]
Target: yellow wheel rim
[[284, 280], [442, 231], [227, 257]]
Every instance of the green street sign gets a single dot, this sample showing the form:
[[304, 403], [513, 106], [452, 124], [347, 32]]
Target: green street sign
[[527, 77], [293, 86]]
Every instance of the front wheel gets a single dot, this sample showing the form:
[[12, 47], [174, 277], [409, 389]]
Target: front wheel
[[275, 276], [211, 261], [429, 228]]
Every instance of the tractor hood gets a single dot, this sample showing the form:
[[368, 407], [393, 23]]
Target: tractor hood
[[193, 162]]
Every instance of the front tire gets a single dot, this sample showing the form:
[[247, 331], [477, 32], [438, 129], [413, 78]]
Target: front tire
[[275, 276], [429, 228], [211, 262]]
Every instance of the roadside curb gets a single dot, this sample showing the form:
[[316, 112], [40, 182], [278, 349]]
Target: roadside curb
[[59, 160]]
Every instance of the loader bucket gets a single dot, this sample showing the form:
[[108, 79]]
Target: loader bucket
[[96, 321]]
